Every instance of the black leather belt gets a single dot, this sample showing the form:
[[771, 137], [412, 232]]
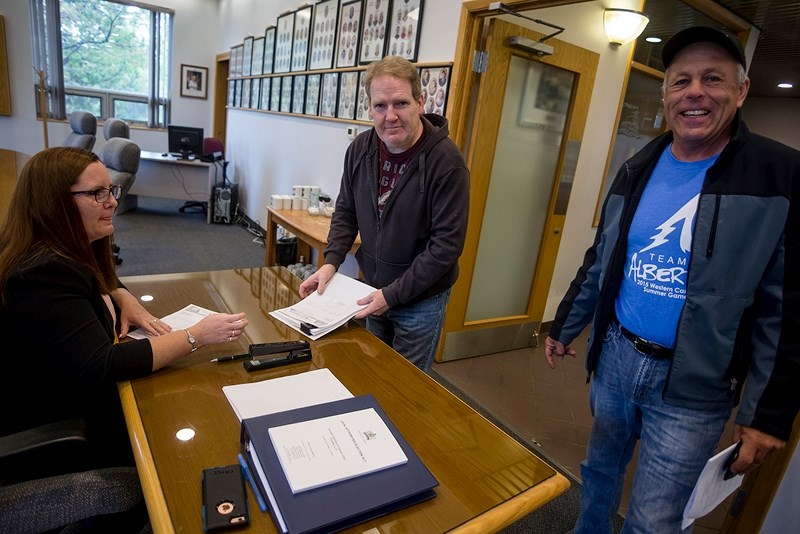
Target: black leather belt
[[647, 347]]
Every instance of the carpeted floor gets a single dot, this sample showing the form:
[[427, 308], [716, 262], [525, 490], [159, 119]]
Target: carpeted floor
[[156, 238]]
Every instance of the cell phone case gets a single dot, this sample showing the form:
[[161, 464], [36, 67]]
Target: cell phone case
[[224, 498]]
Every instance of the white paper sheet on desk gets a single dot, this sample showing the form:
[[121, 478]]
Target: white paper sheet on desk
[[178, 320], [711, 488], [285, 393], [327, 311], [324, 451]]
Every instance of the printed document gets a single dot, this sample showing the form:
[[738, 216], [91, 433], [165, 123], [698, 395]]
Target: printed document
[[322, 451], [285, 393], [711, 488], [323, 313], [179, 320]]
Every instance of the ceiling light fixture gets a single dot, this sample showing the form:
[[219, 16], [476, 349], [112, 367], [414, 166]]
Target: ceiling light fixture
[[785, 85], [623, 25]]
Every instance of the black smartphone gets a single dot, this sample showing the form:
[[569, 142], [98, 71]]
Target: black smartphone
[[224, 498]]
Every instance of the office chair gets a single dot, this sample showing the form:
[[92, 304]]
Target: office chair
[[44, 487], [121, 158], [213, 150], [116, 128], [84, 130]]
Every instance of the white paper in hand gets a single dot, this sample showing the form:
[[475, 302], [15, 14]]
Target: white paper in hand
[[711, 488]]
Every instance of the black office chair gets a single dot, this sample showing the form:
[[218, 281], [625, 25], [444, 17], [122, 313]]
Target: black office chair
[[44, 486], [213, 150], [84, 130], [121, 158]]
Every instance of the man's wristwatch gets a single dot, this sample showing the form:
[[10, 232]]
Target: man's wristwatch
[[191, 339]]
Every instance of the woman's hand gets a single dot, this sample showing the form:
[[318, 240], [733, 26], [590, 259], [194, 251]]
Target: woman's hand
[[219, 328], [133, 314]]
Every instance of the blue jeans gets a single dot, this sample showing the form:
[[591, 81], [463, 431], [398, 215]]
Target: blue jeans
[[413, 330], [627, 403]]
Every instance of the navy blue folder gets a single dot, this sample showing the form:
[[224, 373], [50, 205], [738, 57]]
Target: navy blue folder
[[342, 504]]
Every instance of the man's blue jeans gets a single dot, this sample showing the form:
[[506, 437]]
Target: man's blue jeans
[[413, 330], [627, 404]]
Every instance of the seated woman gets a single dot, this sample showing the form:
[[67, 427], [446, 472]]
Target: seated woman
[[62, 308]]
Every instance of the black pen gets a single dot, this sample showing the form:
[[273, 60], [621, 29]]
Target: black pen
[[230, 358]]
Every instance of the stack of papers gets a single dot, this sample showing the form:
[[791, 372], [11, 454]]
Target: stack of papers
[[189, 316], [323, 451], [318, 314], [285, 393]]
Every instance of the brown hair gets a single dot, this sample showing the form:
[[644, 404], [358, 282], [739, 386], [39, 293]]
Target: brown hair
[[43, 218], [394, 66]]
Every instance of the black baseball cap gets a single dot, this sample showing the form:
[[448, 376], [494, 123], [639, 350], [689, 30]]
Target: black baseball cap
[[701, 34]]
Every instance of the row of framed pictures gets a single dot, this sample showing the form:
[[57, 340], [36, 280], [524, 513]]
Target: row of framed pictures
[[339, 95], [329, 35]]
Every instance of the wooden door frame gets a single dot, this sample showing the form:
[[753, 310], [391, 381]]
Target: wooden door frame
[[220, 111], [577, 59]]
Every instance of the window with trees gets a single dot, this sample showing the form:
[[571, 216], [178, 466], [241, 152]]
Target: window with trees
[[111, 58]]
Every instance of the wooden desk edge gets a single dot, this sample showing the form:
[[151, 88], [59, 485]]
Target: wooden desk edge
[[516, 508], [145, 464]]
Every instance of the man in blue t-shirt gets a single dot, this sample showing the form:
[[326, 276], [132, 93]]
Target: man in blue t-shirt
[[692, 289]]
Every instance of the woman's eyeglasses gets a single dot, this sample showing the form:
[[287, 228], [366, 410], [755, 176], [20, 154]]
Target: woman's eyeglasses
[[102, 194]]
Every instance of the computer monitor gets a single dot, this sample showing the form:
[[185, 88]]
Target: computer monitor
[[185, 140]]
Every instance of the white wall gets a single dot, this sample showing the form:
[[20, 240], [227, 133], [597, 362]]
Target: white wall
[[194, 22]]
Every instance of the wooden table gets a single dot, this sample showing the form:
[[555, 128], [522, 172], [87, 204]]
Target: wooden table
[[487, 479], [11, 163], [311, 232]]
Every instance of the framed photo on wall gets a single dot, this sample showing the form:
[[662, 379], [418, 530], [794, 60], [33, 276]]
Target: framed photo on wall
[[373, 34], [231, 92], [324, 35], [247, 58], [312, 94], [275, 94], [269, 49], [286, 94], [246, 92], [349, 31], [362, 107], [404, 25], [265, 93], [299, 94], [348, 90], [283, 43], [302, 35], [258, 56], [236, 61], [435, 83], [194, 81], [330, 87]]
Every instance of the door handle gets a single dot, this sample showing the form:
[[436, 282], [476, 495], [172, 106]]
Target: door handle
[[556, 230]]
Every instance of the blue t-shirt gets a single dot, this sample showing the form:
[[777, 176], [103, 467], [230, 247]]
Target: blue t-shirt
[[653, 289]]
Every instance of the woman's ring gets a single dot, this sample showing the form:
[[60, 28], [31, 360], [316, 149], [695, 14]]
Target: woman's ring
[[230, 339], [154, 321]]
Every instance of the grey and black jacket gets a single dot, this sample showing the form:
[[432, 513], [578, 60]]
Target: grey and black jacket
[[411, 250], [741, 317]]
